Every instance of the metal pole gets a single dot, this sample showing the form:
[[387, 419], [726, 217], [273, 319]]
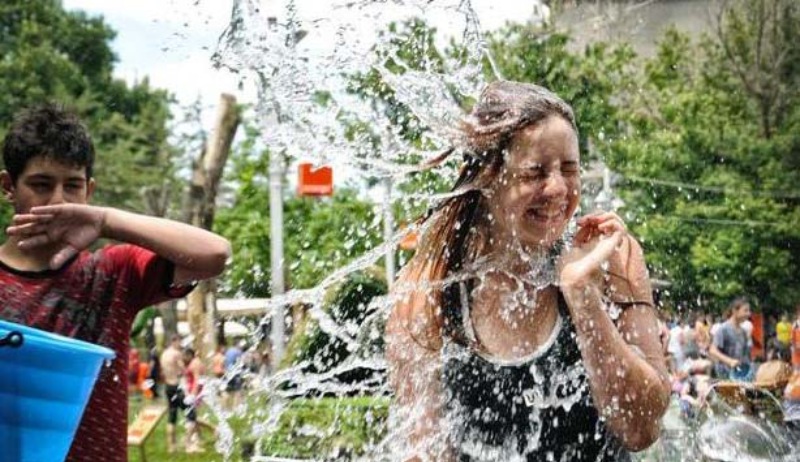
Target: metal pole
[[604, 197], [276, 253], [388, 232]]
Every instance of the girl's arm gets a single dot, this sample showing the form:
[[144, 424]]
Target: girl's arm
[[625, 363]]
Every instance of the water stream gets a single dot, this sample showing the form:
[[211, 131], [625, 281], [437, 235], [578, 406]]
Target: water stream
[[305, 67]]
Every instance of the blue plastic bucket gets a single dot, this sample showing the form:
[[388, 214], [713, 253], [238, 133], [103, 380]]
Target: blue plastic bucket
[[45, 383]]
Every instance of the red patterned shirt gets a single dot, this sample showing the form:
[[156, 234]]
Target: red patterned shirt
[[93, 297]]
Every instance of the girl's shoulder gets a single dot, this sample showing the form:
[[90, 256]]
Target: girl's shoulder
[[416, 311]]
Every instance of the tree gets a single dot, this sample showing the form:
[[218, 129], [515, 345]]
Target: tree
[[592, 82], [321, 235], [711, 163], [201, 200], [49, 53]]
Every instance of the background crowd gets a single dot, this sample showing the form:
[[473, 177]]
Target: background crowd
[[738, 346]]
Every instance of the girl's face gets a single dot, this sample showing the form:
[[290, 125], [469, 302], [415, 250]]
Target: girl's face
[[539, 188]]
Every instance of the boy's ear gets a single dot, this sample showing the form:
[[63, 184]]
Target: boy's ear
[[7, 184], [90, 188]]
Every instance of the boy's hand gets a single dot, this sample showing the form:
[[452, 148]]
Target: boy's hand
[[69, 227]]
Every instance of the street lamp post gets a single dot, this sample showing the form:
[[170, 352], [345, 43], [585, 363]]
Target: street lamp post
[[388, 232], [277, 333]]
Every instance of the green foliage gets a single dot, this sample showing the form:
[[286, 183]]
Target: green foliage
[[588, 81], [411, 47], [721, 115], [347, 304], [50, 54], [320, 234], [332, 428], [711, 166]]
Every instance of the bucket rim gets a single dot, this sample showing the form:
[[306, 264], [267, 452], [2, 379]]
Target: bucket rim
[[52, 340]]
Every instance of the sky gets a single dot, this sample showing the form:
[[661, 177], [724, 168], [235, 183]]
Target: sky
[[171, 41]]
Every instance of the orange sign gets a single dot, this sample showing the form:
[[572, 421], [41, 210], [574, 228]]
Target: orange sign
[[314, 181]]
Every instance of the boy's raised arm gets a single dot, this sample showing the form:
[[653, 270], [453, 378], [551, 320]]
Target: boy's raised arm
[[196, 253]]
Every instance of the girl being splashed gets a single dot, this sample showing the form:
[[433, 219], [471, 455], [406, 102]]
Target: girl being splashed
[[509, 341]]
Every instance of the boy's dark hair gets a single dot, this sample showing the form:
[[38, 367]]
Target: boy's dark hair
[[48, 130]]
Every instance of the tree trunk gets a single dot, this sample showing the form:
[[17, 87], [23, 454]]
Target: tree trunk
[[169, 318], [199, 211]]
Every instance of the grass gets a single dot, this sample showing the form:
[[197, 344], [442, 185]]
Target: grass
[[156, 445], [310, 427]]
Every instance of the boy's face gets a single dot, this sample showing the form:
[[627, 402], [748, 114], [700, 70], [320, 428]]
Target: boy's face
[[47, 182]]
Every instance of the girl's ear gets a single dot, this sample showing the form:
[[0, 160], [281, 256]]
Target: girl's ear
[[8, 185]]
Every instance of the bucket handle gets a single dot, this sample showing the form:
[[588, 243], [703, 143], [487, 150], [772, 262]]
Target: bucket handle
[[14, 339]]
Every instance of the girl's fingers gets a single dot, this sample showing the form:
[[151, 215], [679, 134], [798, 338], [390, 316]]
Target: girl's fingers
[[584, 235], [611, 226], [590, 218], [592, 261], [598, 218], [604, 249]]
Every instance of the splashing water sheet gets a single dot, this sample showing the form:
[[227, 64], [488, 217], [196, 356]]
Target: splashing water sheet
[[303, 60], [314, 69]]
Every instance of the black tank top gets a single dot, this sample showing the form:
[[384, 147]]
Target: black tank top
[[536, 409]]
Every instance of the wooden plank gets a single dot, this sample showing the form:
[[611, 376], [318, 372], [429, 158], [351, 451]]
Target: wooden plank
[[144, 424]]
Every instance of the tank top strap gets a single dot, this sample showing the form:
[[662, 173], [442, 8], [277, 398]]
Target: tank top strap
[[563, 309]]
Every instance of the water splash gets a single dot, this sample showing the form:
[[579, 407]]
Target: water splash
[[318, 77]]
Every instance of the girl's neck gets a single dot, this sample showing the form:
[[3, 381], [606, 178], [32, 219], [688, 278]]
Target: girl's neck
[[532, 266]]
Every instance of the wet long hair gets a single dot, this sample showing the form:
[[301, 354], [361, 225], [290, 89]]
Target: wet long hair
[[456, 228]]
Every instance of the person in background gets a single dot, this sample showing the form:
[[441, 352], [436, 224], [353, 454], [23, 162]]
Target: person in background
[[133, 372], [192, 387], [676, 341], [702, 334], [218, 361], [155, 372], [234, 371], [731, 346], [783, 333], [791, 395], [172, 369]]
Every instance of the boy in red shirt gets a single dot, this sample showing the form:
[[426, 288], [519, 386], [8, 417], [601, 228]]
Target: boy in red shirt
[[50, 281]]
